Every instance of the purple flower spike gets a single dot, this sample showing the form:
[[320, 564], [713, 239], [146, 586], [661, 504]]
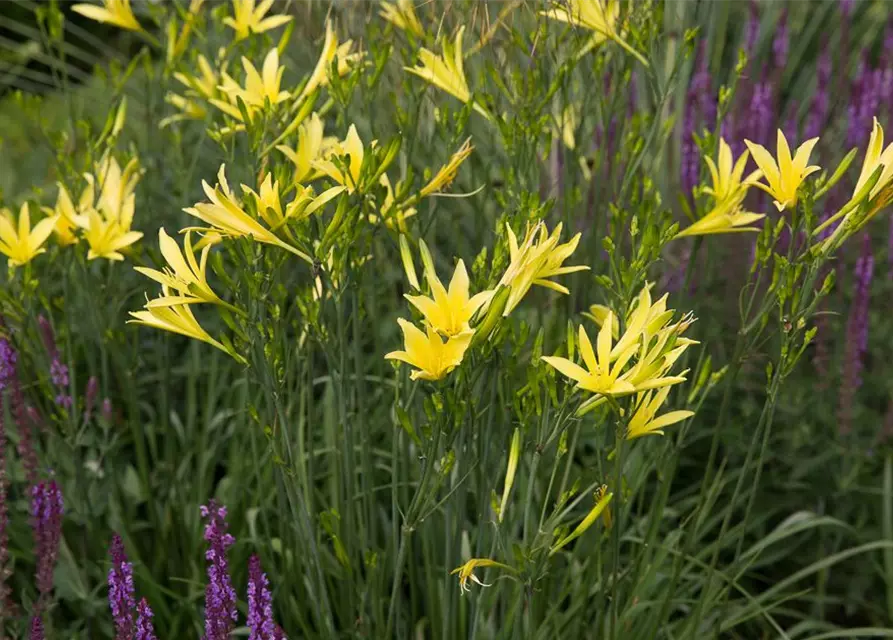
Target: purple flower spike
[[37, 632], [818, 110], [121, 598], [781, 42], [46, 512], [4, 517], [144, 628], [856, 335], [7, 363], [220, 597], [260, 604], [752, 31], [46, 333]]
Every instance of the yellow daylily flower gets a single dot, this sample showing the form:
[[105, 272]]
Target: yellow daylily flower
[[727, 177], [599, 16], [725, 217], [202, 85], [185, 275], [116, 189], [448, 171], [447, 71], [598, 313], [876, 156], [403, 16], [225, 216], [67, 214], [248, 18], [645, 420], [116, 12], [176, 46], [538, 258], [22, 244], [350, 150], [394, 217], [599, 376], [449, 312], [432, 356], [331, 51], [176, 318], [312, 145], [466, 572], [106, 236], [784, 178], [259, 87], [304, 204]]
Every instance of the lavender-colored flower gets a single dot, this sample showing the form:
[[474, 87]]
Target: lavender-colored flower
[[885, 91], [220, 597], [864, 102], [144, 628], [46, 333], [47, 506], [818, 110], [4, 516], [752, 30], [791, 124], [762, 112], [781, 42], [121, 598], [701, 88], [846, 8], [37, 632], [689, 158], [260, 603], [700, 105], [59, 373], [856, 335], [8, 359]]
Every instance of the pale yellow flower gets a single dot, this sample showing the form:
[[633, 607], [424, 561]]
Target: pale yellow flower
[[447, 172], [248, 18], [116, 189], [351, 152], [447, 71], [21, 244], [116, 12], [784, 178], [727, 176], [599, 16], [466, 572], [394, 216], [403, 16], [259, 87], [432, 356], [725, 217], [536, 259], [312, 145], [202, 85], [66, 227], [876, 156], [176, 46], [645, 420], [450, 311], [183, 273], [331, 51], [304, 204], [106, 235]]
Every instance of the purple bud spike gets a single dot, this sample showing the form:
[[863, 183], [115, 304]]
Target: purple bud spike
[[144, 628], [220, 597], [47, 507], [121, 598], [856, 335], [260, 603]]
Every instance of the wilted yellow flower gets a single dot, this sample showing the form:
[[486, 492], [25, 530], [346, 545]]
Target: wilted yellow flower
[[645, 420], [226, 216], [447, 71], [432, 356], [785, 177], [312, 145], [727, 182], [330, 51], [448, 171], [176, 318], [248, 19], [116, 12], [599, 376], [184, 275], [350, 150], [402, 15], [466, 572], [599, 16], [259, 87], [106, 235], [449, 312], [725, 217], [66, 215], [538, 258], [22, 244]]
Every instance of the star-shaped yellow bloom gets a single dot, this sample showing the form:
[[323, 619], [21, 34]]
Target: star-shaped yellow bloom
[[727, 176], [259, 87], [183, 273], [22, 244], [466, 572], [351, 152], [725, 217], [312, 145], [645, 420], [116, 12], [876, 156], [783, 178], [447, 71], [66, 226], [248, 18], [599, 16], [432, 356], [449, 312], [403, 16], [106, 236]]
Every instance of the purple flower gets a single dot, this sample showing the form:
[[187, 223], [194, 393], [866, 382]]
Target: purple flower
[[220, 597], [260, 603], [864, 102], [106, 411], [7, 363], [59, 373], [818, 110], [121, 598], [856, 335], [780, 43], [37, 632], [46, 333], [46, 516], [791, 125], [752, 30], [90, 397], [846, 7], [4, 516], [762, 112], [144, 628], [700, 106]]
